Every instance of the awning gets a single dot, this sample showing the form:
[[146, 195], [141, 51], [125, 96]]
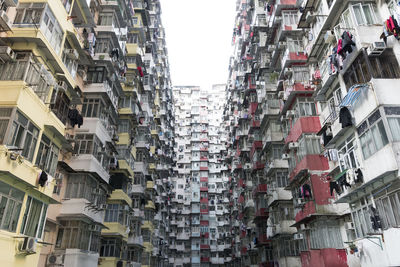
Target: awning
[[353, 95], [369, 187], [338, 176]]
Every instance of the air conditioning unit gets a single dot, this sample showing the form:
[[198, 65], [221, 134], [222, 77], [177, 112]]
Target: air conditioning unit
[[288, 72], [300, 202], [103, 206], [247, 166], [348, 225], [28, 245], [72, 54], [310, 17], [285, 156], [281, 45], [55, 260], [329, 37], [303, 227], [290, 113], [376, 48], [298, 236], [271, 48], [6, 53], [5, 19], [293, 145]]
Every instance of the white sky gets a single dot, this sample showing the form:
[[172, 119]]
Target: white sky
[[198, 36]]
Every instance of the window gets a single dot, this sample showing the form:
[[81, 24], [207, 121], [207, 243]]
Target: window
[[289, 18], [388, 207], [34, 218], [385, 65], [361, 217], [295, 45], [78, 234], [88, 144], [47, 157], [96, 75], [347, 156], [305, 107], [308, 145], [281, 178], [110, 247], [29, 13], [116, 213], [84, 186], [106, 19], [393, 117], [93, 108], [60, 105], [5, 115], [365, 14], [23, 135], [372, 134], [301, 74], [10, 206], [325, 235]]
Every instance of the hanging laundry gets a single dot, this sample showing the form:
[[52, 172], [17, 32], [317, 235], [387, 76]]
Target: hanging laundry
[[306, 191], [333, 186], [43, 178], [359, 176], [345, 117]]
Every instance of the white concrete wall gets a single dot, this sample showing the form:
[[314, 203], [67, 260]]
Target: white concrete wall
[[371, 255], [77, 258]]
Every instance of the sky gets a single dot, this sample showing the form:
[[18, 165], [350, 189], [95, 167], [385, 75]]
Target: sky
[[198, 36]]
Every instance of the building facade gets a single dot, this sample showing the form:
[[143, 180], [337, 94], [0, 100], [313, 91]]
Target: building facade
[[199, 202], [86, 133], [312, 149]]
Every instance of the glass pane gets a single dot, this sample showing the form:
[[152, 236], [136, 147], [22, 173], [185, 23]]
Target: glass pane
[[368, 14], [394, 124], [33, 219], [358, 13]]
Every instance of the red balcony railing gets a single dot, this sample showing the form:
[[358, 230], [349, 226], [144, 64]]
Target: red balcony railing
[[260, 189], [203, 179], [262, 239], [258, 165], [262, 212], [256, 145], [303, 125], [204, 188], [205, 259]]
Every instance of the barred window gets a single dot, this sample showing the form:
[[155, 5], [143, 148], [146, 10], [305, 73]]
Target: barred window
[[23, 135], [10, 206]]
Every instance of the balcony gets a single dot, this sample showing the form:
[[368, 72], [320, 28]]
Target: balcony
[[262, 213], [278, 194], [283, 228], [270, 165], [204, 259], [5, 23], [290, 58], [303, 125], [260, 189], [309, 162], [103, 88], [263, 240], [118, 195], [135, 240]]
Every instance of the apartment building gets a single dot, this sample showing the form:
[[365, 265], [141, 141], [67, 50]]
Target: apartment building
[[86, 133], [199, 203], [311, 116]]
